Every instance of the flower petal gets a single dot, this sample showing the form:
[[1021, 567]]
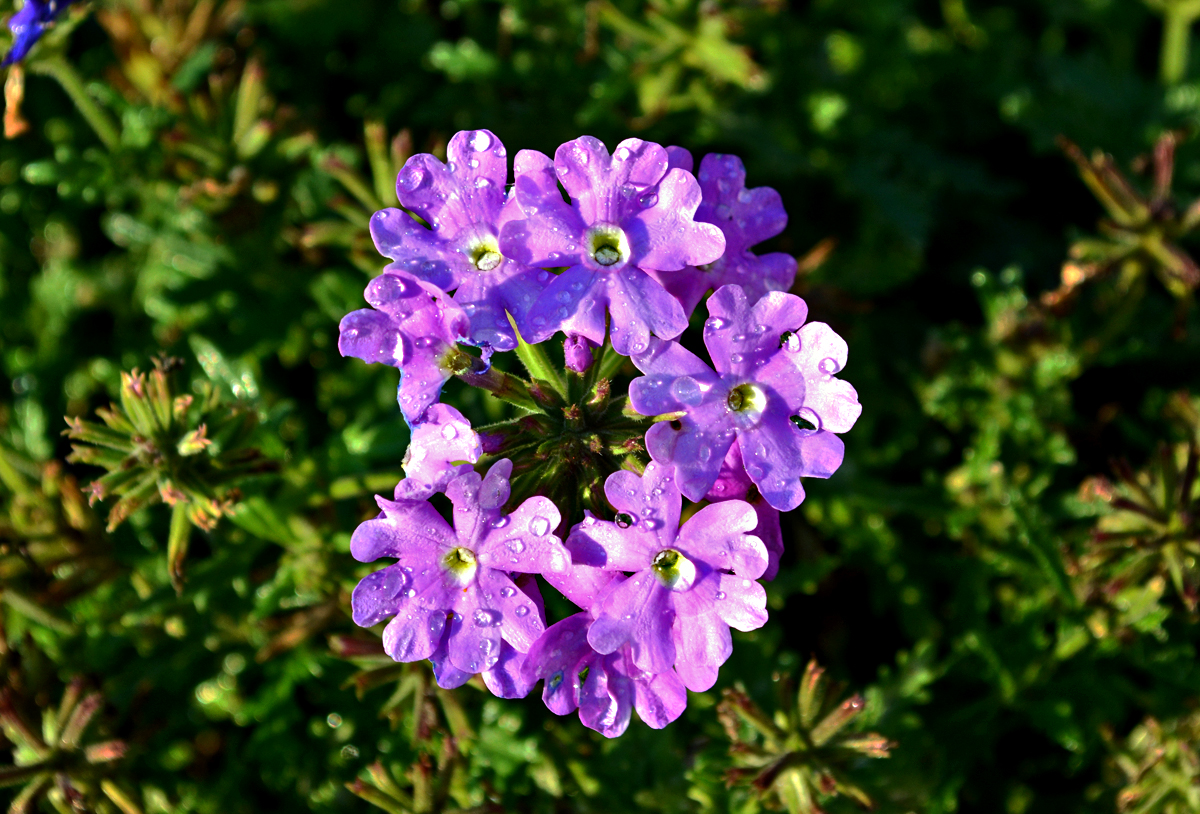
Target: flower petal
[[525, 540], [373, 337], [606, 700], [637, 612], [822, 354], [659, 699], [574, 302], [696, 447], [408, 529], [664, 236], [741, 603], [640, 306], [558, 656], [719, 534], [506, 679], [377, 595]]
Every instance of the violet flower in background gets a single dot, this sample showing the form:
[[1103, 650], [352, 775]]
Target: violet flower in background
[[629, 212], [770, 367], [746, 217], [687, 586], [463, 203], [450, 585], [415, 328], [28, 25]]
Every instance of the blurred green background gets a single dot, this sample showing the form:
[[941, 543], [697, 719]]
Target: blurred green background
[[1005, 566]]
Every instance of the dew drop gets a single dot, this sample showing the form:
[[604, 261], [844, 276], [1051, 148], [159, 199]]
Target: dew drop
[[523, 611], [508, 592], [735, 358], [481, 183], [622, 154], [538, 526], [624, 520], [500, 522], [473, 163], [449, 432], [715, 323], [412, 179], [648, 200], [720, 594], [515, 544], [481, 141], [829, 366], [790, 342], [486, 618]]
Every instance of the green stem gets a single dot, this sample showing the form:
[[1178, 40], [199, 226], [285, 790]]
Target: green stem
[[537, 362], [1178, 16], [502, 386], [61, 71], [177, 544]]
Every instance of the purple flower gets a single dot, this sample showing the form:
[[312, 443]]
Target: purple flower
[[770, 367], [28, 25], [614, 684], [629, 212], [442, 447], [745, 217], [450, 586], [687, 586], [463, 202], [415, 329], [734, 484]]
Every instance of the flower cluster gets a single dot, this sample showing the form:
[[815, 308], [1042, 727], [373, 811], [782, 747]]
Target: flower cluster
[[584, 486]]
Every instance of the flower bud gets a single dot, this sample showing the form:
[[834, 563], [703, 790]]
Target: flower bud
[[578, 352]]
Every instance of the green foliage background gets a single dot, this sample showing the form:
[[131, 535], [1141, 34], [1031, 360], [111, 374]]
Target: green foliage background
[[220, 218]]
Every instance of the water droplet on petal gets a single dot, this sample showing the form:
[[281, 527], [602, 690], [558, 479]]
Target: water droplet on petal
[[720, 594], [508, 592], [648, 200], [538, 526], [790, 342], [829, 366], [481, 141], [411, 178], [715, 323], [523, 610], [449, 432], [515, 544], [500, 522], [486, 618]]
